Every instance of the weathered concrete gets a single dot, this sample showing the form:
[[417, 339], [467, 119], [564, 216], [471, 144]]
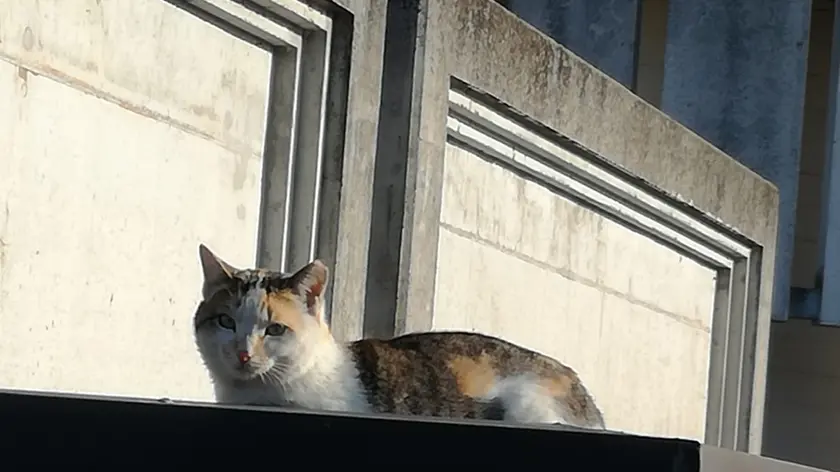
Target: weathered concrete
[[578, 286], [350, 150], [483, 45], [829, 247], [169, 152], [397, 126], [813, 151], [603, 32], [112, 174], [735, 74], [802, 421], [714, 459]]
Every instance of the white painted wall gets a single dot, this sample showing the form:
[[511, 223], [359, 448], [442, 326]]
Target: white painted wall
[[517, 260], [131, 131]]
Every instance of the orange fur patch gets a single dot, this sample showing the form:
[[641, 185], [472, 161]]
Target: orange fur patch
[[558, 386], [475, 377], [285, 308]]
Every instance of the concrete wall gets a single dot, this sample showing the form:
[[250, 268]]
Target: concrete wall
[[803, 420], [713, 459], [650, 68], [133, 132], [103, 204], [540, 203], [812, 157], [505, 166], [518, 260], [653, 26]]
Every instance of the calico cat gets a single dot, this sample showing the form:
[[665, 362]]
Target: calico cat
[[264, 341]]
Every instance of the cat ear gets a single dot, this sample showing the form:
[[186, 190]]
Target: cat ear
[[311, 282], [216, 271]]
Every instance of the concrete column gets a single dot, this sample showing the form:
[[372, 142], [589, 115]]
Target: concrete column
[[735, 74], [603, 32], [829, 278]]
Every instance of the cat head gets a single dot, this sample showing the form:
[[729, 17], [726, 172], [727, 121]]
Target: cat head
[[256, 323]]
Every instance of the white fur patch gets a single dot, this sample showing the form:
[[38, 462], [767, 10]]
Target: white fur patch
[[326, 381], [526, 401]]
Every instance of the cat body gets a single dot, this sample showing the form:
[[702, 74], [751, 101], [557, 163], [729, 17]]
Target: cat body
[[264, 341]]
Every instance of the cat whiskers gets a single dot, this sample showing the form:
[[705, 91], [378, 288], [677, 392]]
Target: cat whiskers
[[276, 376]]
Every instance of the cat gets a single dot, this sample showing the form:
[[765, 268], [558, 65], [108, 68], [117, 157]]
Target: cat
[[264, 341]]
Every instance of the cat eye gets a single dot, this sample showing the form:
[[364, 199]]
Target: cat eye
[[275, 329], [226, 322]]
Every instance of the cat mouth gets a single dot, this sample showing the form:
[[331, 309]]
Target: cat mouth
[[249, 371]]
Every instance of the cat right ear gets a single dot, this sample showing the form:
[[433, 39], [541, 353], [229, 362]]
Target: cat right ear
[[216, 271]]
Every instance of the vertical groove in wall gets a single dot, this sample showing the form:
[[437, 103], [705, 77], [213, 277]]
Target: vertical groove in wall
[[307, 172], [817, 121], [829, 239], [749, 427], [717, 358], [650, 50], [634, 79], [398, 85], [277, 154], [734, 357], [335, 125]]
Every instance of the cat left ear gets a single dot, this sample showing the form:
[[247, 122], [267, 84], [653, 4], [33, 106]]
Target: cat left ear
[[311, 282], [216, 271]]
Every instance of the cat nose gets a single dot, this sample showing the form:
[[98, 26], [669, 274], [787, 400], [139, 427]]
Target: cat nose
[[244, 357]]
